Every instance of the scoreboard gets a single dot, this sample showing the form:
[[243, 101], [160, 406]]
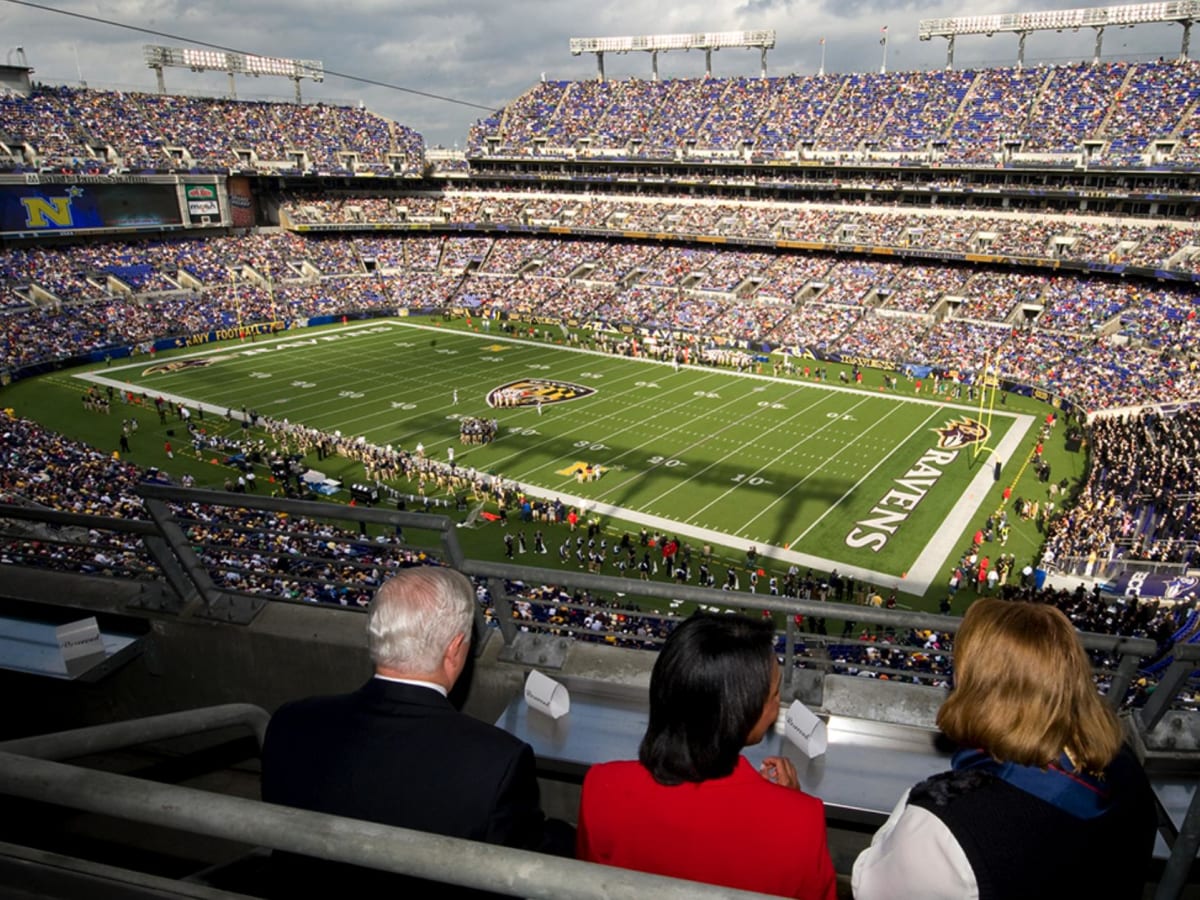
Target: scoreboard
[[63, 205]]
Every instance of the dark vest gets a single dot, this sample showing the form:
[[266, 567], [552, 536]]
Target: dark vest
[[1021, 847]]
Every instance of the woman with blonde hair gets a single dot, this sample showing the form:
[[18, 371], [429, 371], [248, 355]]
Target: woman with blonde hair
[[1042, 800]]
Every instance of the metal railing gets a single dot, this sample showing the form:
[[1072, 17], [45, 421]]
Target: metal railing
[[413, 853], [25, 772], [115, 735], [1083, 567], [190, 579]]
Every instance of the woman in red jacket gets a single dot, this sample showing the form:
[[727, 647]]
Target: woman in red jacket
[[691, 806]]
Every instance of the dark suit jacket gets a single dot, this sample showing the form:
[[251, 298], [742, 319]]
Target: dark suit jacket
[[401, 755]]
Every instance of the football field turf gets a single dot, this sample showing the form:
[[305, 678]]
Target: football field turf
[[880, 484]]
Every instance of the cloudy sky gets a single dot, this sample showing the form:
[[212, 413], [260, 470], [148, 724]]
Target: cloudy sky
[[486, 52]]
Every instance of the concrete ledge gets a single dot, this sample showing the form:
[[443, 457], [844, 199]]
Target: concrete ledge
[[882, 701]]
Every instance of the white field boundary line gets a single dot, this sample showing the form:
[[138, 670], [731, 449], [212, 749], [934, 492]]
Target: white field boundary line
[[401, 322], [98, 376], [291, 366], [367, 327], [921, 574], [245, 353], [95, 377], [853, 487], [712, 536]]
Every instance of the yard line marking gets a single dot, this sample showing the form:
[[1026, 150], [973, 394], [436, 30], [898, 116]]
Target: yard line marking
[[825, 462], [744, 444], [703, 439], [866, 475]]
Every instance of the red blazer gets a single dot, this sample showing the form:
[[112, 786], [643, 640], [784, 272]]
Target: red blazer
[[741, 831]]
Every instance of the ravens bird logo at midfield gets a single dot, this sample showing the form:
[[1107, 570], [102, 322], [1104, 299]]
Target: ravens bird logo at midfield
[[535, 391]]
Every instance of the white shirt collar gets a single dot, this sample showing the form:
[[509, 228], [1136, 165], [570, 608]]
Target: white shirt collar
[[415, 681]]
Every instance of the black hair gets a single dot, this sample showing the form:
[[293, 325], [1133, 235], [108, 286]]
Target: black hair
[[707, 692]]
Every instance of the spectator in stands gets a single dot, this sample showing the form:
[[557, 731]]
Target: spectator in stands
[[396, 751], [691, 806], [1042, 801]]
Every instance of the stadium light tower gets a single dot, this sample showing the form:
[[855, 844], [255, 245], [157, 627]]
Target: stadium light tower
[[1185, 12], [655, 43], [159, 58]]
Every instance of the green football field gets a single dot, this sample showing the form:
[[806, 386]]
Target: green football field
[[879, 484]]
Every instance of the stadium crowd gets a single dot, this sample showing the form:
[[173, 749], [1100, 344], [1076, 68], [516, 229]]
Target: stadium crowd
[[64, 129], [247, 551], [1140, 498], [311, 560], [1153, 243], [1096, 340], [952, 116]]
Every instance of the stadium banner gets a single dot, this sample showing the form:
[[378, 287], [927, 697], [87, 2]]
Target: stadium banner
[[1037, 393], [866, 362], [1168, 587], [245, 330], [27, 210], [359, 316], [241, 202]]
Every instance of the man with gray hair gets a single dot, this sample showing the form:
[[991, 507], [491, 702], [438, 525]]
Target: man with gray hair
[[396, 751]]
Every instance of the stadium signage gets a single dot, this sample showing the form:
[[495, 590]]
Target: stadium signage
[[866, 362], [228, 334], [202, 200], [894, 508], [46, 208], [42, 178]]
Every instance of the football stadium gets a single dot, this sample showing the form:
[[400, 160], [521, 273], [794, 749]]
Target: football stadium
[[841, 353]]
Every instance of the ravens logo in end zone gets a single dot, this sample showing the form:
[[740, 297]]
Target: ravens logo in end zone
[[178, 365], [531, 391], [958, 433]]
